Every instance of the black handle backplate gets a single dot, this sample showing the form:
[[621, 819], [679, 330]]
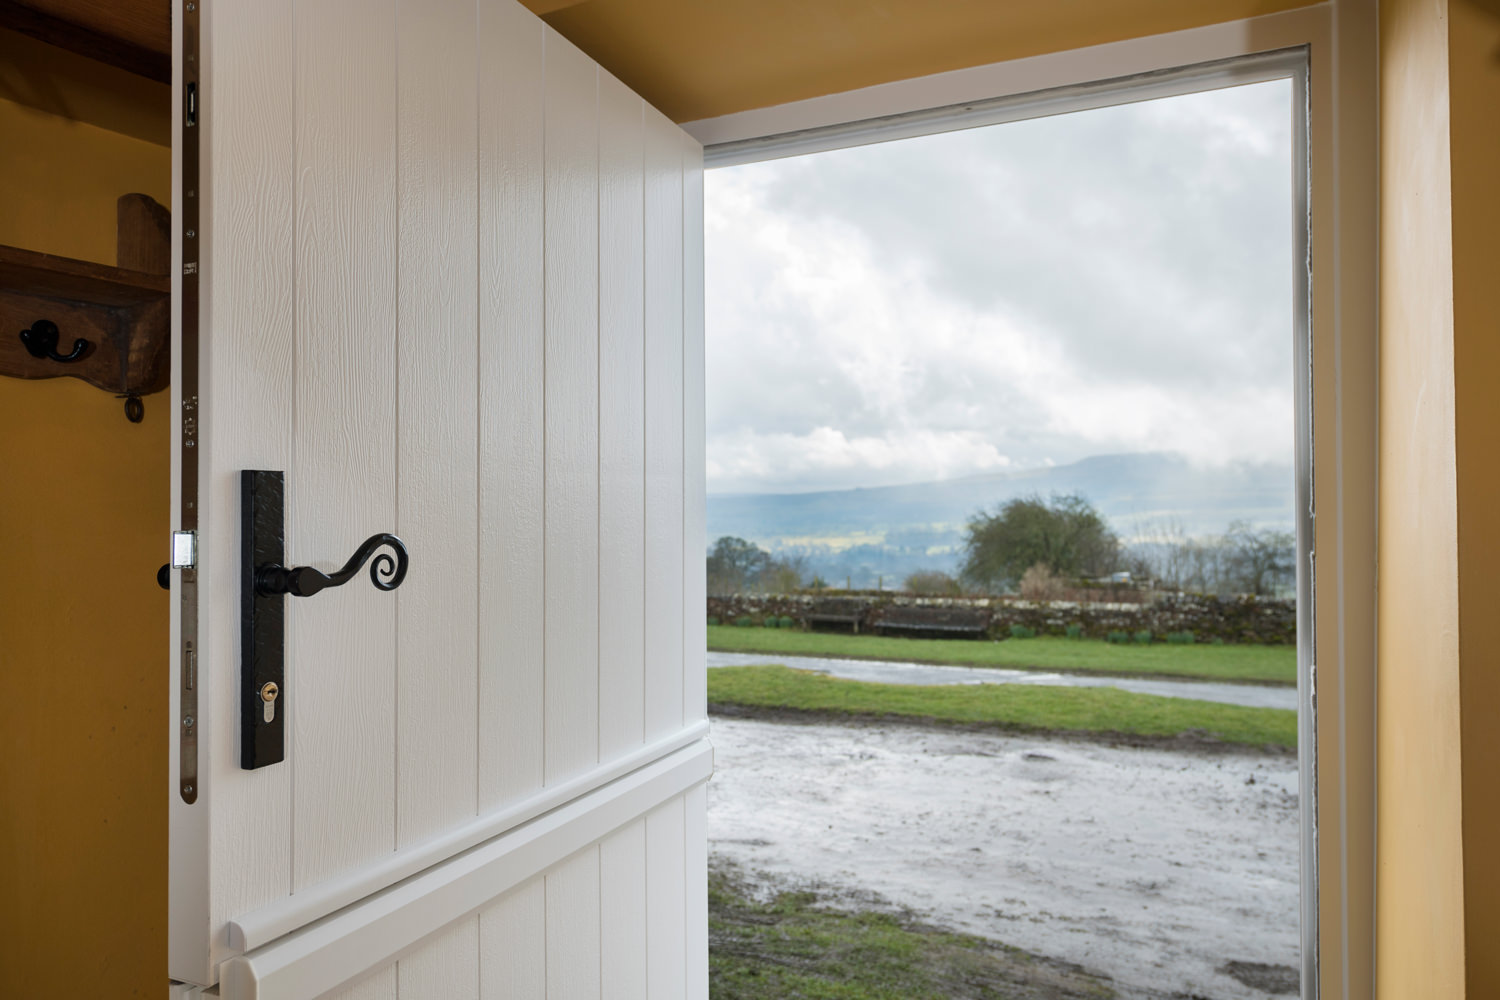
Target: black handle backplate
[[262, 619]]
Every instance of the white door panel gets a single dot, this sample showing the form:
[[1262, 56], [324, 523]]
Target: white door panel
[[542, 940], [341, 466], [622, 908], [437, 489], [664, 423], [578, 932], [451, 285], [570, 700], [513, 944], [622, 417], [512, 441]]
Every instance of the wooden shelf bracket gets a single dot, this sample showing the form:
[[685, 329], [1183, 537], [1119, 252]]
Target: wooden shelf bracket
[[123, 313]]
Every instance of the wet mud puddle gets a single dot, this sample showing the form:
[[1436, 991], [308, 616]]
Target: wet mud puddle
[[1173, 873]]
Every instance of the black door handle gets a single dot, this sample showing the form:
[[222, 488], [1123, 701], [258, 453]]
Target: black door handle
[[386, 573], [264, 583]]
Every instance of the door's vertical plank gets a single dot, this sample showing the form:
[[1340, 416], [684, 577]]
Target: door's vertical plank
[[247, 391], [695, 855], [438, 623], [622, 420], [694, 443], [571, 258], [444, 967], [341, 484], [664, 437], [666, 912], [512, 943], [573, 928], [376, 986], [511, 500], [622, 905]]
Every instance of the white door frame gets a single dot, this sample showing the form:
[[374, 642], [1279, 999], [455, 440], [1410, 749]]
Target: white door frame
[[1328, 51]]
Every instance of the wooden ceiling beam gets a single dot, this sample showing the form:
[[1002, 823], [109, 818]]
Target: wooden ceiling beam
[[134, 35]]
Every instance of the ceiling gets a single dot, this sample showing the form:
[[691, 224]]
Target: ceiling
[[132, 34], [703, 58]]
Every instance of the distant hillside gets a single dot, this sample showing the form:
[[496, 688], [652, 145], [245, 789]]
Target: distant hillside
[[892, 530]]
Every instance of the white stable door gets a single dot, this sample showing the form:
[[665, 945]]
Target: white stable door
[[449, 278]]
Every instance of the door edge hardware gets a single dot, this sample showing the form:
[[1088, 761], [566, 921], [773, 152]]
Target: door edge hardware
[[41, 342], [386, 572], [184, 550]]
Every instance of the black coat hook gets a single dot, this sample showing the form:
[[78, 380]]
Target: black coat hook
[[304, 581], [41, 342]]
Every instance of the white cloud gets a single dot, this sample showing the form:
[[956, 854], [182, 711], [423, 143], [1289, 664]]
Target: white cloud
[[750, 459], [1113, 281]]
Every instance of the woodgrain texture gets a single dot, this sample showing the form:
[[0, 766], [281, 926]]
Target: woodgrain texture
[[571, 710], [622, 419], [444, 967], [622, 906], [377, 986], [664, 439], [695, 865], [341, 479], [143, 234], [511, 441], [437, 627], [666, 902], [694, 442], [246, 423], [513, 944], [573, 928]]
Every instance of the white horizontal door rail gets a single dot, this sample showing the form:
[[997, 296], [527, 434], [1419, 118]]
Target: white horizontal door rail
[[261, 927], [376, 931]]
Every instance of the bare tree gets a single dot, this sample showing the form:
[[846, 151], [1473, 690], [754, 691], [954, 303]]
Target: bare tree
[[1243, 560], [1259, 560]]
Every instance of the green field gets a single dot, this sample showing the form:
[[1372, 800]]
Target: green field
[[1256, 664], [795, 945], [1006, 706]]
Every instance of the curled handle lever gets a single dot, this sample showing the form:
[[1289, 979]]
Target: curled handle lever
[[386, 572]]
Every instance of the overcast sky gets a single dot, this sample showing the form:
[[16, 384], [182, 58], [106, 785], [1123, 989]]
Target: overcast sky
[[1006, 297]]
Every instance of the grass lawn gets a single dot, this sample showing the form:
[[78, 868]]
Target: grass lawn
[[1011, 706], [1263, 664], [791, 946]]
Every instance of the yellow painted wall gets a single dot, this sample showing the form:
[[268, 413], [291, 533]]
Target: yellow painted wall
[[1474, 81], [83, 626], [1439, 674]]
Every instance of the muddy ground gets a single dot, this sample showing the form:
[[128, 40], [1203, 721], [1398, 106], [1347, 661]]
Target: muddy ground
[[1173, 873]]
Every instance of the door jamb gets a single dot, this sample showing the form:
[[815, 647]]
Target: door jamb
[[1336, 624]]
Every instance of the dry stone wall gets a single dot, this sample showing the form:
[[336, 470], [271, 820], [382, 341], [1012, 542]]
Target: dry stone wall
[[1230, 620]]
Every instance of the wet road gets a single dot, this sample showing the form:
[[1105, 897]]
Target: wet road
[[887, 672]]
